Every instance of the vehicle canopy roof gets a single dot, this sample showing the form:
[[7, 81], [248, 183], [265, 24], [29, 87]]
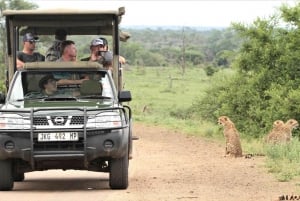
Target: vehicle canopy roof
[[47, 21], [75, 22]]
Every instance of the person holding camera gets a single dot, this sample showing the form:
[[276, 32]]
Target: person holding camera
[[122, 60], [99, 53], [97, 47]]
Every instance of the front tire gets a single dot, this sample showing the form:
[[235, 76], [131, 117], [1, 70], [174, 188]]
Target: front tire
[[19, 176], [6, 175], [118, 175]]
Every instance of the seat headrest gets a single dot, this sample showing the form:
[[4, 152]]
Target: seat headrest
[[91, 87]]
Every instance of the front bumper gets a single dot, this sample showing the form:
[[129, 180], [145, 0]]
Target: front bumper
[[101, 142], [92, 144]]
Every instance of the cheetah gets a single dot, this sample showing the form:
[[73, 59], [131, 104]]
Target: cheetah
[[275, 135], [282, 132], [232, 137], [288, 128]]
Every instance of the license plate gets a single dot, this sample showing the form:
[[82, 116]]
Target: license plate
[[65, 136]]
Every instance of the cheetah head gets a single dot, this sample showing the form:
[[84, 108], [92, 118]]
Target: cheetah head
[[292, 123], [278, 123], [223, 120]]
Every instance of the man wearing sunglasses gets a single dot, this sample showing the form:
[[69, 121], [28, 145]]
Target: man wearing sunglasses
[[28, 54]]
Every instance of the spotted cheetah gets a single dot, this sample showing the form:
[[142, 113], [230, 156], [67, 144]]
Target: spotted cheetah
[[232, 138], [275, 135], [282, 132], [288, 128]]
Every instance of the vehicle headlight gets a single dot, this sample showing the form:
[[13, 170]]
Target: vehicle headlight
[[13, 121], [105, 120]]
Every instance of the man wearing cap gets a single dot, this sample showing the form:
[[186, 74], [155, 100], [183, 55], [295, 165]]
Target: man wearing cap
[[96, 46], [54, 52], [28, 54], [48, 85], [105, 42], [99, 53]]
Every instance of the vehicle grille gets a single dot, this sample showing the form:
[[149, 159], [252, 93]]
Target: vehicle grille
[[45, 121], [40, 121], [77, 120]]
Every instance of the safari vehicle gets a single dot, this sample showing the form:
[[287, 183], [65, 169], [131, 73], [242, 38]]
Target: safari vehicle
[[83, 126]]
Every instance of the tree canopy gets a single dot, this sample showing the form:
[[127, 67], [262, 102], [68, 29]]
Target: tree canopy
[[266, 85]]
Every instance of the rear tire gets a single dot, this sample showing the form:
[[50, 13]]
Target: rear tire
[[6, 175], [118, 175]]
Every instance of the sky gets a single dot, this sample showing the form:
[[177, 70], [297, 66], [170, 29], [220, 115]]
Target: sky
[[189, 13]]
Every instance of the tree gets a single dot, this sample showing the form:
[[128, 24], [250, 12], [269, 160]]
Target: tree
[[13, 5], [266, 86]]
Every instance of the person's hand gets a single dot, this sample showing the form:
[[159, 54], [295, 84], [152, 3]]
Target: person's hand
[[20, 64], [82, 80], [95, 56]]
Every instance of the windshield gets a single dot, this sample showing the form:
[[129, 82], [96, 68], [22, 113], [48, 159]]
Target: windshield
[[62, 85]]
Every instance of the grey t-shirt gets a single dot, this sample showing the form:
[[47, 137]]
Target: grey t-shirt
[[30, 58]]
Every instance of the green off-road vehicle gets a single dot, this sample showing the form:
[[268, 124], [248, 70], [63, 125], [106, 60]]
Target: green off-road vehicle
[[82, 126]]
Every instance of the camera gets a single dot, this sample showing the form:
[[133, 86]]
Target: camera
[[107, 56], [101, 53]]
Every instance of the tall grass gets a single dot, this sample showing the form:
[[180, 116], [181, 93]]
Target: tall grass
[[163, 96], [284, 160]]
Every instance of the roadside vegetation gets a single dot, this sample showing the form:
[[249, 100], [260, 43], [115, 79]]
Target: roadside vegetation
[[260, 85], [185, 79], [159, 100]]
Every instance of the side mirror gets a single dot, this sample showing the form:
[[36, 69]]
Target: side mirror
[[124, 96], [2, 98]]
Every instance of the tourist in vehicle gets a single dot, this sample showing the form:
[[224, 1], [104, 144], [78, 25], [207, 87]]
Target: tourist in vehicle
[[48, 85], [68, 53], [54, 52], [99, 53], [97, 45], [105, 42], [28, 54]]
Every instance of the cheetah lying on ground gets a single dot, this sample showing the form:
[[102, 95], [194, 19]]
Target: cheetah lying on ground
[[232, 138], [282, 132]]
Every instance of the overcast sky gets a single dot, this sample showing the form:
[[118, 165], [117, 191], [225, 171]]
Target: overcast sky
[[200, 13]]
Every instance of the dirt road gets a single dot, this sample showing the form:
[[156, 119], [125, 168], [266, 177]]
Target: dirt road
[[167, 166]]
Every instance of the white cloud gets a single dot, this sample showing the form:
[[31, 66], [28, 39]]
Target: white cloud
[[180, 13]]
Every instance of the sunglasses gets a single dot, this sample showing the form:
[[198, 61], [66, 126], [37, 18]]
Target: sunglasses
[[31, 41]]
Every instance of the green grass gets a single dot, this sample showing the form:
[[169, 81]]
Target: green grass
[[283, 160], [163, 96]]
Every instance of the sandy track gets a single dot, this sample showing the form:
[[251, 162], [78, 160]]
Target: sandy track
[[166, 166]]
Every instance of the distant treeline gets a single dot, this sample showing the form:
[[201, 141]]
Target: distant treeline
[[169, 47]]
